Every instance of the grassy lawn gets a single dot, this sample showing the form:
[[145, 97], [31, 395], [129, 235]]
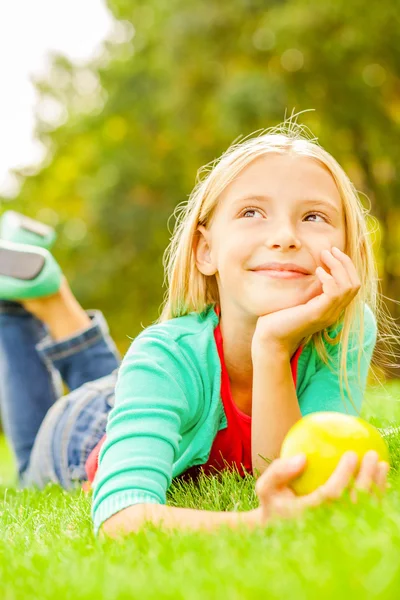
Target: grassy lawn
[[48, 551]]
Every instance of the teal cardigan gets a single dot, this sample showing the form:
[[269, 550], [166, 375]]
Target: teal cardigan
[[168, 407]]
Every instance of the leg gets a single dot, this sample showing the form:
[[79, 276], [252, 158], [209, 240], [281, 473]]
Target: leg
[[69, 432], [78, 345], [88, 361], [27, 386], [28, 354]]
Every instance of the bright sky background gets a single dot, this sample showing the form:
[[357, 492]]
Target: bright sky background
[[29, 29]]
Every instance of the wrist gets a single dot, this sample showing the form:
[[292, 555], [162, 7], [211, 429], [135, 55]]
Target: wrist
[[270, 351], [254, 518]]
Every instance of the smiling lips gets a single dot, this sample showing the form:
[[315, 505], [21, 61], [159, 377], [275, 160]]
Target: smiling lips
[[280, 274], [281, 270]]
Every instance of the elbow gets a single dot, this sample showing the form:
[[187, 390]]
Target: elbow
[[128, 520]]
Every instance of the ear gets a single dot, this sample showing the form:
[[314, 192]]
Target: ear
[[202, 251]]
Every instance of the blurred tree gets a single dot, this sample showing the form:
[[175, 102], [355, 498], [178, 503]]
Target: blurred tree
[[176, 84]]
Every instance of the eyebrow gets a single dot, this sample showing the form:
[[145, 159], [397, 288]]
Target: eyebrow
[[314, 201]]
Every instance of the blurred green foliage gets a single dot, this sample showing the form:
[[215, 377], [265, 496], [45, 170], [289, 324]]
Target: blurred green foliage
[[176, 84]]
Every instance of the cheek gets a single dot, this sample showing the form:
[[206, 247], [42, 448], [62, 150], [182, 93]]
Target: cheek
[[338, 239], [326, 243], [232, 263], [235, 253]]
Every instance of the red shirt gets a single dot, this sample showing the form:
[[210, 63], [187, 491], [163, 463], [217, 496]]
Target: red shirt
[[233, 443]]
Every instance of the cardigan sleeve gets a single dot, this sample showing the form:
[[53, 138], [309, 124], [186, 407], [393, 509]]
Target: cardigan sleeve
[[323, 390], [144, 427]]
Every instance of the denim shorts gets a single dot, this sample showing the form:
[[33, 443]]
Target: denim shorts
[[71, 429]]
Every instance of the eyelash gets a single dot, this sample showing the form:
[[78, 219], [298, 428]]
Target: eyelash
[[250, 208]]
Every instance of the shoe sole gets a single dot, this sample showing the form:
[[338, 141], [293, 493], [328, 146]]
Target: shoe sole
[[27, 272], [20, 265]]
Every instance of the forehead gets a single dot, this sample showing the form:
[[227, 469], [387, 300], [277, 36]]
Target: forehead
[[284, 178]]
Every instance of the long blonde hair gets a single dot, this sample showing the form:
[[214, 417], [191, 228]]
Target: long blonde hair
[[189, 290]]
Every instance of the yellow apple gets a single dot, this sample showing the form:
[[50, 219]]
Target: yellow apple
[[324, 437]]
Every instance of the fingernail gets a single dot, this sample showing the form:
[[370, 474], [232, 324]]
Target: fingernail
[[372, 455], [352, 457], [296, 461], [335, 249]]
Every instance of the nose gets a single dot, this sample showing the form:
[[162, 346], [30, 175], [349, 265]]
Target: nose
[[283, 235]]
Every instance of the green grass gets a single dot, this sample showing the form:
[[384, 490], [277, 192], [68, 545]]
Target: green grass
[[48, 550]]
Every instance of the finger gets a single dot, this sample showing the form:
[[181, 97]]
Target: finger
[[378, 484], [329, 284], [349, 265], [279, 473], [338, 270], [339, 294], [366, 474], [365, 480], [337, 482], [332, 293], [322, 310], [381, 476]]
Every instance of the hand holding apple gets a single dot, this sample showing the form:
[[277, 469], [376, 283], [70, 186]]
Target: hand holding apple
[[324, 437], [277, 498]]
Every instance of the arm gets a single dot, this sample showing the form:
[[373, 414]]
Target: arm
[[131, 519], [275, 407], [277, 500], [154, 403]]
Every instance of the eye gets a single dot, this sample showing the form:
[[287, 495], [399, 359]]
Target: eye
[[316, 214], [249, 209]]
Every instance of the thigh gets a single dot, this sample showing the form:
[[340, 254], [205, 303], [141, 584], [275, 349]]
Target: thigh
[[86, 428], [70, 430]]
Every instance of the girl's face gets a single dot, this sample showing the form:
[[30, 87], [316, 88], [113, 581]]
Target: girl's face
[[282, 209]]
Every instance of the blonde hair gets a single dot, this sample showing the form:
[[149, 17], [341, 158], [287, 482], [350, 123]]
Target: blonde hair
[[189, 290]]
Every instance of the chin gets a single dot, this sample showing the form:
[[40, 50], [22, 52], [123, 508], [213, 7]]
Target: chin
[[277, 302]]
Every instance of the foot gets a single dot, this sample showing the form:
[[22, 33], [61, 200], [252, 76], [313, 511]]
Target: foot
[[27, 272], [61, 312], [39, 307]]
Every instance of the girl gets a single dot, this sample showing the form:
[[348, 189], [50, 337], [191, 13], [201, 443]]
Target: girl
[[269, 316]]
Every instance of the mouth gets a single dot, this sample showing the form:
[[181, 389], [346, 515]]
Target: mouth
[[286, 267], [281, 274]]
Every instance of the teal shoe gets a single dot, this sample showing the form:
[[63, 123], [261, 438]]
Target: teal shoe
[[15, 227], [27, 272]]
